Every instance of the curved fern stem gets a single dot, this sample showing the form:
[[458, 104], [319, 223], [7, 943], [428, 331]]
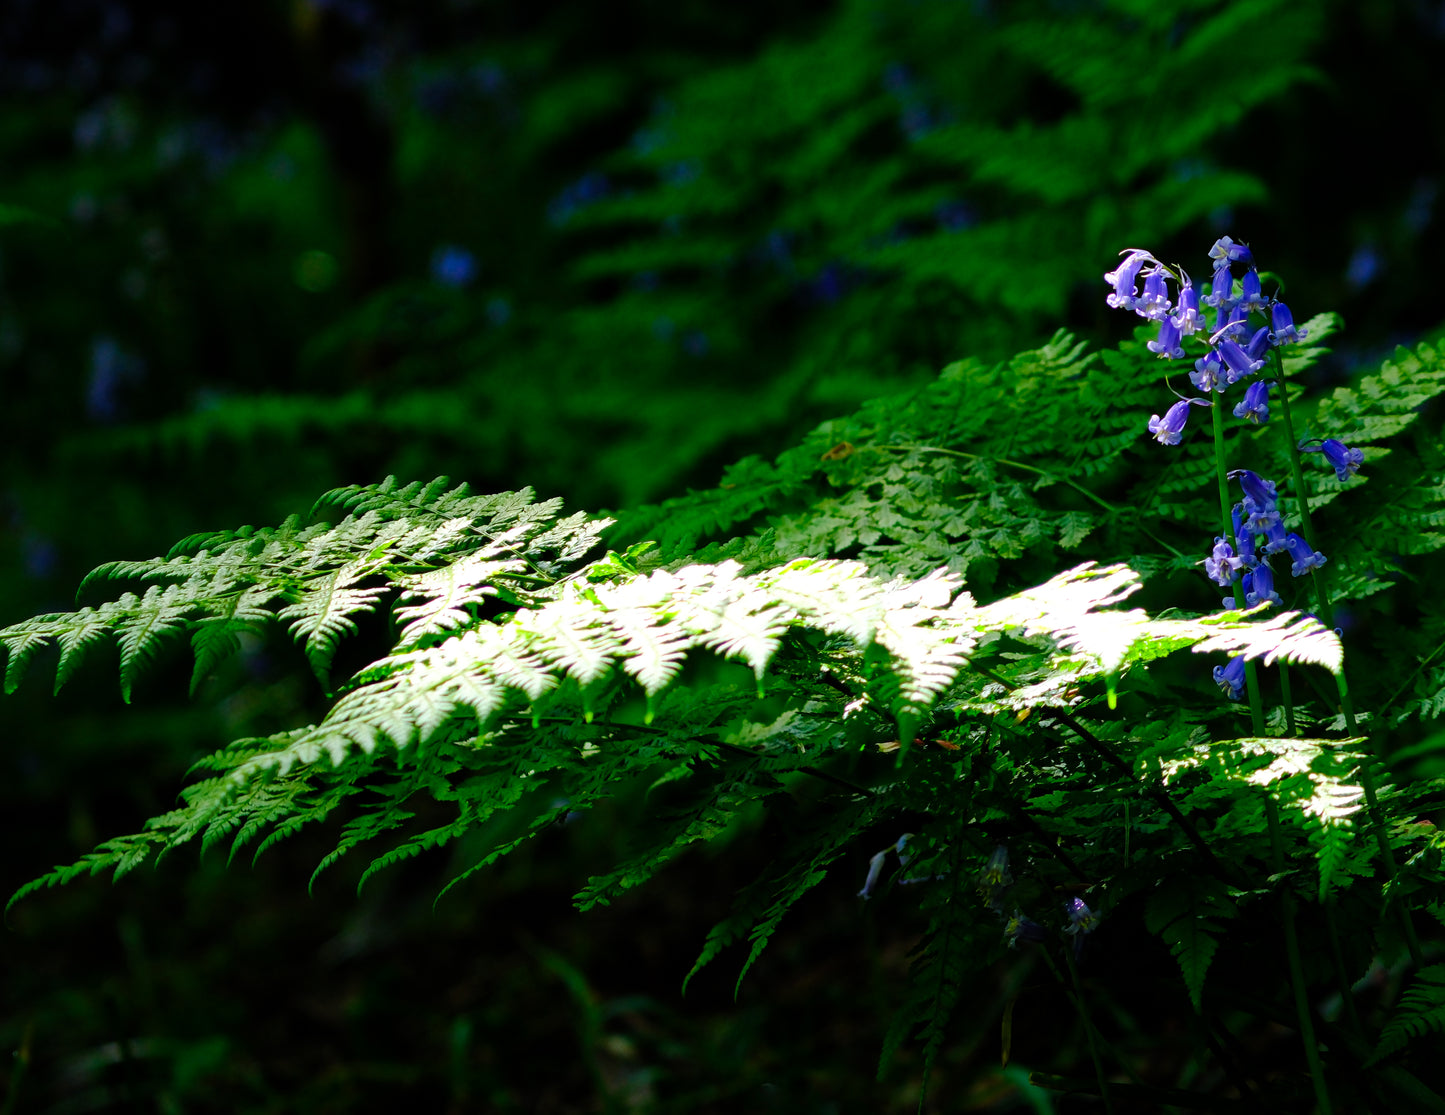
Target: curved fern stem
[[1347, 708]]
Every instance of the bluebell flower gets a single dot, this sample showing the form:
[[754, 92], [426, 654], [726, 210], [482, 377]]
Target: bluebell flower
[[1082, 921], [1251, 296], [1263, 492], [994, 879], [1237, 361], [1282, 324], [1346, 461], [1275, 539], [1260, 586], [1226, 251], [1124, 277], [1154, 302], [1258, 347], [453, 266], [1231, 678], [1169, 429], [1222, 564], [1234, 324], [1019, 928], [1208, 374], [1305, 559], [1167, 345], [1255, 407], [1243, 539], [1188, 319], [1221, 292]]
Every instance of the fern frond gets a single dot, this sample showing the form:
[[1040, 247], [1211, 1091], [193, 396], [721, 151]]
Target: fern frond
[[1421, 1011]]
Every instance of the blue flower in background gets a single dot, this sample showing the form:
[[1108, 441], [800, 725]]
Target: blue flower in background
[[453, 266], [1082, 921], [1019, 928], [1231, 678]]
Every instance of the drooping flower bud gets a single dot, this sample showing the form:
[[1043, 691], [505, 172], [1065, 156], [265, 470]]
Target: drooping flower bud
[[1251, 296], [1188, 318]]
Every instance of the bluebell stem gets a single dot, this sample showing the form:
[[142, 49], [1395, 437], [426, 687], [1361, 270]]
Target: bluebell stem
[[1222, 564], [1305, 558], [1154, 302], [1019, 928], [1255, 407], [1169, 429], [1226, 251], [1231, 678], [1236, 361], [1124, 277], [1167, 345], [1345, 461], [1082, 921], [1251, 297], [1282, 322], [1260, 586], [1188, 318]]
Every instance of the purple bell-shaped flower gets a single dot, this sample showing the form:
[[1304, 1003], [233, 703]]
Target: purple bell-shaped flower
[[1154, 302], [1231, 678], [1209, 371], [1261, 586], [1124, 279], [1305, 559], [1187, 317], [1282, 324], [1167, 345], [1255, 407], [1169, 429], [1251, 296], [1345, 461]]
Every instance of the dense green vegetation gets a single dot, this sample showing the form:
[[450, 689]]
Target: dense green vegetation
[[755, 318]]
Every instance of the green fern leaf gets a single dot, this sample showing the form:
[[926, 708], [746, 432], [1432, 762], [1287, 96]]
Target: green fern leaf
[[1421, 1011]]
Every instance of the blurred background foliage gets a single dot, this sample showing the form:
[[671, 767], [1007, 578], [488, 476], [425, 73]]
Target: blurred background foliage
[[248, 254]]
